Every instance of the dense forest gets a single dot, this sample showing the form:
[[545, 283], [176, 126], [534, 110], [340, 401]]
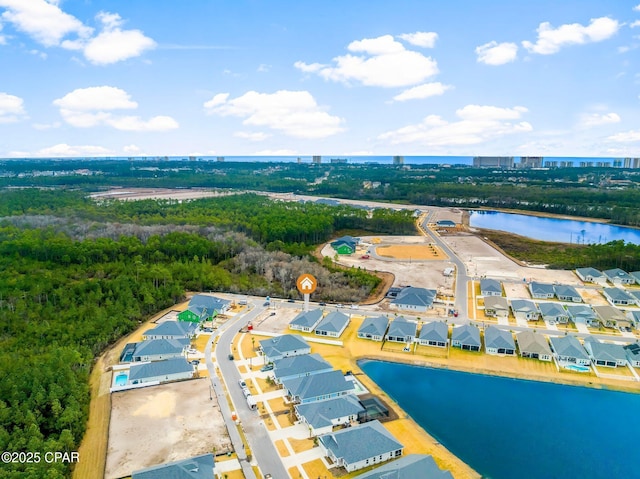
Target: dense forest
[[78, 275]]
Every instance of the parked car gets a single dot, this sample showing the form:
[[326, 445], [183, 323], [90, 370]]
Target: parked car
[[230, 357], [266, 367], [242, 383], [291, 300], [195, 362], [192, 351], [322, 304], [365, 256]]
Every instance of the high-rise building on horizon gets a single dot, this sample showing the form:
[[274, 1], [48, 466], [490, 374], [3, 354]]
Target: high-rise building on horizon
[[316, 159], [530, 162], [493, 161], [398, 160]]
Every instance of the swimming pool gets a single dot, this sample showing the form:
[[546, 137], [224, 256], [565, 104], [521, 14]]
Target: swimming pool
[[577, 368], [121, 379]]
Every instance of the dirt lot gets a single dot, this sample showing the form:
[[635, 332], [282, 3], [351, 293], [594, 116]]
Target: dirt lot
[[162, 424], [408, 252], [157, 193]]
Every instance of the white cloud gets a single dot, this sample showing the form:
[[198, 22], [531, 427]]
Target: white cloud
[[636, 8], [42, 20], [263, 68], [114, 44], [494, 53], [626, 137], [422, 91], [3, 39], [252, 136], [477, 124], [589, 120], [47, 24], [281, 152], [46, 126], [131, 149], [420, 39], [635, 24], [94, 106], [63, 149], [11, 108], [382, 62], [550, 39], [294, 113]]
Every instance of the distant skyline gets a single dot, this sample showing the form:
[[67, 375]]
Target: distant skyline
[[359, 78]]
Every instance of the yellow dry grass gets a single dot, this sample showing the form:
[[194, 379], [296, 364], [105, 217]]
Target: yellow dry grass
[[316, 468], [242, 369], [248, 346], [282, 448], [265, 386], [277, 405], [301, 445], [284, 420], [418, 252], [235, 474], [200, 342], [294, 472]]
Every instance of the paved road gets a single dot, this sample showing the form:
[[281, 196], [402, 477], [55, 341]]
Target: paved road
[[256, 433]]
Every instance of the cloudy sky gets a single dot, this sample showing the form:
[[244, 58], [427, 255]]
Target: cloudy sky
[[360, 77]]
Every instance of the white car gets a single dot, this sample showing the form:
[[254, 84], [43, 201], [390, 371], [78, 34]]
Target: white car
[[192, 351]]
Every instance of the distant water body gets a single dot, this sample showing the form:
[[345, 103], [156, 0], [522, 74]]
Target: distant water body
[[553, 229], [509, 428]]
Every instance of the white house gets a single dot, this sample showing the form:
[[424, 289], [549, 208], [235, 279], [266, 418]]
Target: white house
[[160, 371], [322, 416], [374, 328], [306, 321], [333, 324]]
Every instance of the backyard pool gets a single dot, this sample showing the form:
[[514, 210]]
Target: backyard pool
[[121, 379], [580, 369]]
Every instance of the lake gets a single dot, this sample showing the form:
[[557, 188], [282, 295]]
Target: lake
[[553, 229], [507, 428]]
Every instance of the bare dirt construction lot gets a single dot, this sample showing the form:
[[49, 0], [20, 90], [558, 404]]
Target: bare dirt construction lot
[[162, 423], [424, 252], [157, 193]]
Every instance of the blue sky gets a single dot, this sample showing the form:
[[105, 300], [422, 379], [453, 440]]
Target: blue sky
[[374, 77]]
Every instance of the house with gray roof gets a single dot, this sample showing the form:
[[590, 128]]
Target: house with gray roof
[[401, 330], [204, 307], [618, 297], [322, 416], [159, 349], [373, 328], [605, 354], [466, 337], [283, 347], [333, 324], [298, 366], [306, 320], [360, 446], [634, 318], [414, 299], [534, 345], [160, 371], [553, 312], [591, 275], [633, 354], [541, 290], [490, 287], [434, 333], [496, 307], [345, 244], [567, 293], [636, 294], [198, 467], [618, 276], [582, 313], [567, 349], [445, 224], [636, 276], [525, 309], [499, 341], [611, 317], [172, 330], [318, 387], [413, 466]]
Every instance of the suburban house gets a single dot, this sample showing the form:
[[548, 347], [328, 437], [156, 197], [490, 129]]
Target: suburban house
[[490, 287], [198, 467], [283, 347], [617, 276], [541, 290], [434, 333], [333, 324], [525, 309], [360, 446], [318, 387], [618, 297], [414, 299], [636, 276], [203, 307], [591, 275], [498, 341], [466, 337], [567, 293], [534, 345], [496, 307], [306, 320], [611, 317], [172, 330], [605, 354], [633, 354], [172, 369], [553, 312], [374, 328], [568, 349], [321, 417], [634, 318], [159, 349], [581, 313], [413, 466], [445, 224], [345, 245], [402, 330], [298, 366], [636, 294]]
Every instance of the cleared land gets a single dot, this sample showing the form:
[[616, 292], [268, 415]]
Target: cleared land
[[167, 422], [412, 252]]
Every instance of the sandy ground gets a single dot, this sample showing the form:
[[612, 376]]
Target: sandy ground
[[158, 193], [161, 424], [407, 252]]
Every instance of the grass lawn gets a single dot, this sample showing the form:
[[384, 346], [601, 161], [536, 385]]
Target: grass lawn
[[277, 405], [282, 449], [315, 468], [265, 386], [248, 346], [284, 420], [301, 445], [200, 342]]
